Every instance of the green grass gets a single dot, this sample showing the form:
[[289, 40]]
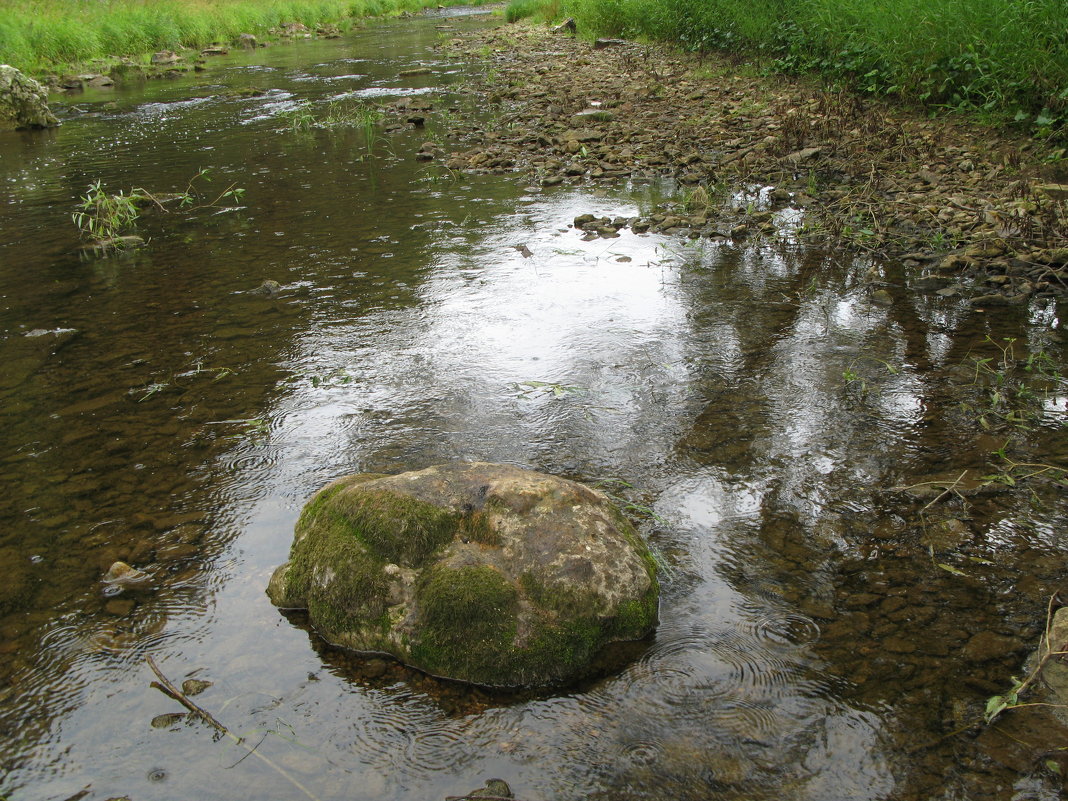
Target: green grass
[[1008, 57], [42, 35]]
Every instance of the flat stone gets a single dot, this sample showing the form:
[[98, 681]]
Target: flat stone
[[119, 607], [899, 645], [986, 646]]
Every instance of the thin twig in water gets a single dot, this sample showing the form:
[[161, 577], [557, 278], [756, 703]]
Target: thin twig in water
[[951, 488], [165, 686]]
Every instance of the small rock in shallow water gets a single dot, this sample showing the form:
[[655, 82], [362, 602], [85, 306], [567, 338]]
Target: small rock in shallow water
[[986, 645], [494, 788], [119, 607], [195, 686], [123, 575], [880, 297], [267, 289], [375, 668], [168, 720]]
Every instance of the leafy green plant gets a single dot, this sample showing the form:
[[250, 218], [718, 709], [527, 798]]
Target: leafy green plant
[[299, 118], [102, 216], [338, 114], [696, 199], [856, 381], [995, 58], [1012, 391], [194, 198]]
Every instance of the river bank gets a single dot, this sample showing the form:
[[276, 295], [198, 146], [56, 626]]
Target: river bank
[[64, 36], [971, 210]]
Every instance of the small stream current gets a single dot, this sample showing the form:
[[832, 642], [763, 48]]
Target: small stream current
[[755, 408]]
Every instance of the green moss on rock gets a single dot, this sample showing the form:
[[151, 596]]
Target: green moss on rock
[[469, 622], [394, 528], [340, 584], [566, 637]]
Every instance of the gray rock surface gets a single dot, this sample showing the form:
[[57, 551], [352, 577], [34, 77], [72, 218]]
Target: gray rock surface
[[23, 101]]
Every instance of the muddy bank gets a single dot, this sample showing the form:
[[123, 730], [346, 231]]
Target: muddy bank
[[974, 211]]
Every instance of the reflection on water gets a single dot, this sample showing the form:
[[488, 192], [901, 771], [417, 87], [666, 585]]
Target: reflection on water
[[753, 398]]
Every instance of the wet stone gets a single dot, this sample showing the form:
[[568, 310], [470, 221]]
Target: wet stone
[[168, 720], [494, 788], [899, 645], [947, 535], [816, 608], [861, 600], [884, 629], [374, 668], [986, 646], [933, 647], [195, 686], [891, 605], [119, 607]]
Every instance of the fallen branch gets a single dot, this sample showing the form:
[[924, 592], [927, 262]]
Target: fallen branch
[[952, 488], [166, 686]]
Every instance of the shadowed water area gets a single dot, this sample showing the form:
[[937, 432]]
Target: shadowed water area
[[756, 408]]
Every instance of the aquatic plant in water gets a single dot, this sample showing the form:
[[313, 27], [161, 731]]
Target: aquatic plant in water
[[103, 217]]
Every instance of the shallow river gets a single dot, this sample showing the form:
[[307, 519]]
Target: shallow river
[[753, 405]]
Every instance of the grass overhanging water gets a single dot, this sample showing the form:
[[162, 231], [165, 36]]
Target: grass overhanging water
[[40, 35], [1006, 58]]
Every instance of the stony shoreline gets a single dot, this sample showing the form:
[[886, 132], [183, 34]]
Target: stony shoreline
[[971, 210]]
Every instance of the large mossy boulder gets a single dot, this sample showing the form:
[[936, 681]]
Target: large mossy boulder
[[23, 102], [483, 573]]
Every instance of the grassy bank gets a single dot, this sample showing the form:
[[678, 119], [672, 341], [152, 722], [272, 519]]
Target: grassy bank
[[39, 35], [1006, 57]]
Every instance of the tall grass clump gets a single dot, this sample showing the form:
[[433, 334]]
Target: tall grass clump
[[546, 10], [1008, 57], [38, 35]]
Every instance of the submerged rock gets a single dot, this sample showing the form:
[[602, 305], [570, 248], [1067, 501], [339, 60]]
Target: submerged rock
[[1055, 668], [121, 574], [23, 102], [484, 573], [22, 356], [494, 788], [268, 289]]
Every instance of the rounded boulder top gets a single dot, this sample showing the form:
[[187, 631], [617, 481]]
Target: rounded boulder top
[[483, 573]]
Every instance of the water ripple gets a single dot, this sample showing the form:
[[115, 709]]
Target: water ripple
[[788, 629]]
